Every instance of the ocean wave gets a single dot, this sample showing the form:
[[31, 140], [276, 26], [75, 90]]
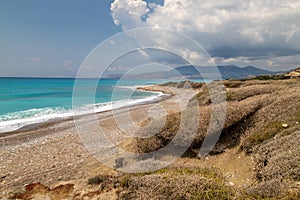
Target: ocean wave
[[17, 120], [132, 87]]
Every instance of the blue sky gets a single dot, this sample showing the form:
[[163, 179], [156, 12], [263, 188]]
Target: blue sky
[[52, 38]]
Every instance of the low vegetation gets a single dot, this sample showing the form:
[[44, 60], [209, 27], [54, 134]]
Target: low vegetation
[[97, 180], [269, 77], [180, 183], [262, 121], [184, 84], [160, 139]]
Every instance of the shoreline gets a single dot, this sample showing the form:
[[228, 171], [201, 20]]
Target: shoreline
[[53, 152], [28, 132], [32, 125], [55, 157]]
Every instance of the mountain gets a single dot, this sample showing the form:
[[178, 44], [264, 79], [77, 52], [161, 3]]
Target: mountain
[[226, 71], [192, 72]]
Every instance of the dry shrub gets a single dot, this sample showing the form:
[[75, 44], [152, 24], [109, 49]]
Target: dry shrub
[[281, 107], [196, 85], [269, 190], [256, 111], [203, 97], [184, 84], [279, 159], [267, 132], [238, 120], [160, 139], [178, 184], [97, 180], [270, 77], [232, 83], [183, 125], [239, 94], [277, 167]]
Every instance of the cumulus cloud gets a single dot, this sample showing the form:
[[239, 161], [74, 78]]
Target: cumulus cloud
[[228, 29], [128, 13]]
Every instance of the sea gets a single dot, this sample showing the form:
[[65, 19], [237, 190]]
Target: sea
[[26, 101]]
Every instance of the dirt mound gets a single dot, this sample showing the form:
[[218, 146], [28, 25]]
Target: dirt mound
[[39, 191]]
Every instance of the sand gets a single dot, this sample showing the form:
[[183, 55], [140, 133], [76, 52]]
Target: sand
[[53, 153]]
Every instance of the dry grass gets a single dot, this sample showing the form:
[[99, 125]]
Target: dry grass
[[238, 120], [182, 183], [277, 168], [160, 139], [184, 84], [279, 159], [233, 83], [255, 112], [256, 109], [267, 132], [270, 77], [241, 93]]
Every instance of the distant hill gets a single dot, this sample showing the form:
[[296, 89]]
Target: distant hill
[[192, 72], [226, 71]]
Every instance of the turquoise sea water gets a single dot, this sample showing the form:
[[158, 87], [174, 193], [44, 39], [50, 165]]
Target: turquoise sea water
[[25, 101]]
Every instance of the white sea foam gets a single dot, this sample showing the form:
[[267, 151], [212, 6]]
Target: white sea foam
[[18, 120]]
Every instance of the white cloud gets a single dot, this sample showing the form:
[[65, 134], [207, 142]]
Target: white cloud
[[128, 13], [230, 29], [191, 55]]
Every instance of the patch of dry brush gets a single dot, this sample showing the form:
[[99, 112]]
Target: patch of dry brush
[[255, 114], [180, 183]]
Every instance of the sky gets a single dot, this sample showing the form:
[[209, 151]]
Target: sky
[[52, 38]]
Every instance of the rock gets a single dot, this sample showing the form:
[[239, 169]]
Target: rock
[[119, 162], [285, 125]]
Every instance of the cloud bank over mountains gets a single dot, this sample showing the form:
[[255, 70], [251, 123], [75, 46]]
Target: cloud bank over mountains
[[264, 33]]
